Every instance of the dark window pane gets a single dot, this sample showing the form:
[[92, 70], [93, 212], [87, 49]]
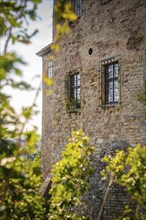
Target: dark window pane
[[116, 96], [77, 4], [109, 72], [74, 94], [75, 89], [78, 80], [116, 70], [115, 84], [78, 93]]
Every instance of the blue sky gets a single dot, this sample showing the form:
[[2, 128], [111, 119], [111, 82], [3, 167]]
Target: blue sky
[[34, 63]]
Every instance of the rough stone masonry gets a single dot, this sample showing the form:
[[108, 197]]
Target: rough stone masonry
[[105, 33]]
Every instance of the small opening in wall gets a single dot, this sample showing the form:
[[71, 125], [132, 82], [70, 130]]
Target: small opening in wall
[[104, 2], [90, 51]]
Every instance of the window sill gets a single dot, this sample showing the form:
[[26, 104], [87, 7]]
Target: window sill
[[75, 110], [112, 105]]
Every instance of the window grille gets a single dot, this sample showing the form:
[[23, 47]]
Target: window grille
[[75, 90], [77, 4], [50, 69], [111, 73]]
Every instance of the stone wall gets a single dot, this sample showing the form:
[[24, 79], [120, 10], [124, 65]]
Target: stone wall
[[117, 30]]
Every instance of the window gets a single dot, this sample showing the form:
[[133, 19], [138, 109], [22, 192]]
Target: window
[[75, 98], [111, 85], [50, 69], [77, 4]]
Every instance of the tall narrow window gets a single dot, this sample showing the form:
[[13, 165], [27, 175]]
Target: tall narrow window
[[75, 90], [50, 69], [111, 83], [77, 4]]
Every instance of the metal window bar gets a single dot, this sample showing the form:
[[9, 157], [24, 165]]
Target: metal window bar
[[79, 8], [77, 4]]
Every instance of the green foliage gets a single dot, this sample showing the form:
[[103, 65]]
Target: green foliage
[[72, 104], [142, 96], [14, 20], [129, 169], [10, 79], [63, 15], [31, 138], [19, 197], [34, 164], [64, 12], [69, 180]]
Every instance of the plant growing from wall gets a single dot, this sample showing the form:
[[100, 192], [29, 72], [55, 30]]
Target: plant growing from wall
[[142, 96], [69, 181], [129, 170], [19, 197], [63, 15], [72, 104]]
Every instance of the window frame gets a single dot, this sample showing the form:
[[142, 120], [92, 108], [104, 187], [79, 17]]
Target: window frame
[[111, 81], [74, 91], [102, 81], [50, 69]]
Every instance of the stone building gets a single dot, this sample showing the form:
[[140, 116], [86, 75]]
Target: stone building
[[98, 75]]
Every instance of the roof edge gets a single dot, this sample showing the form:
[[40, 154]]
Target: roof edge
[[45, 50]]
